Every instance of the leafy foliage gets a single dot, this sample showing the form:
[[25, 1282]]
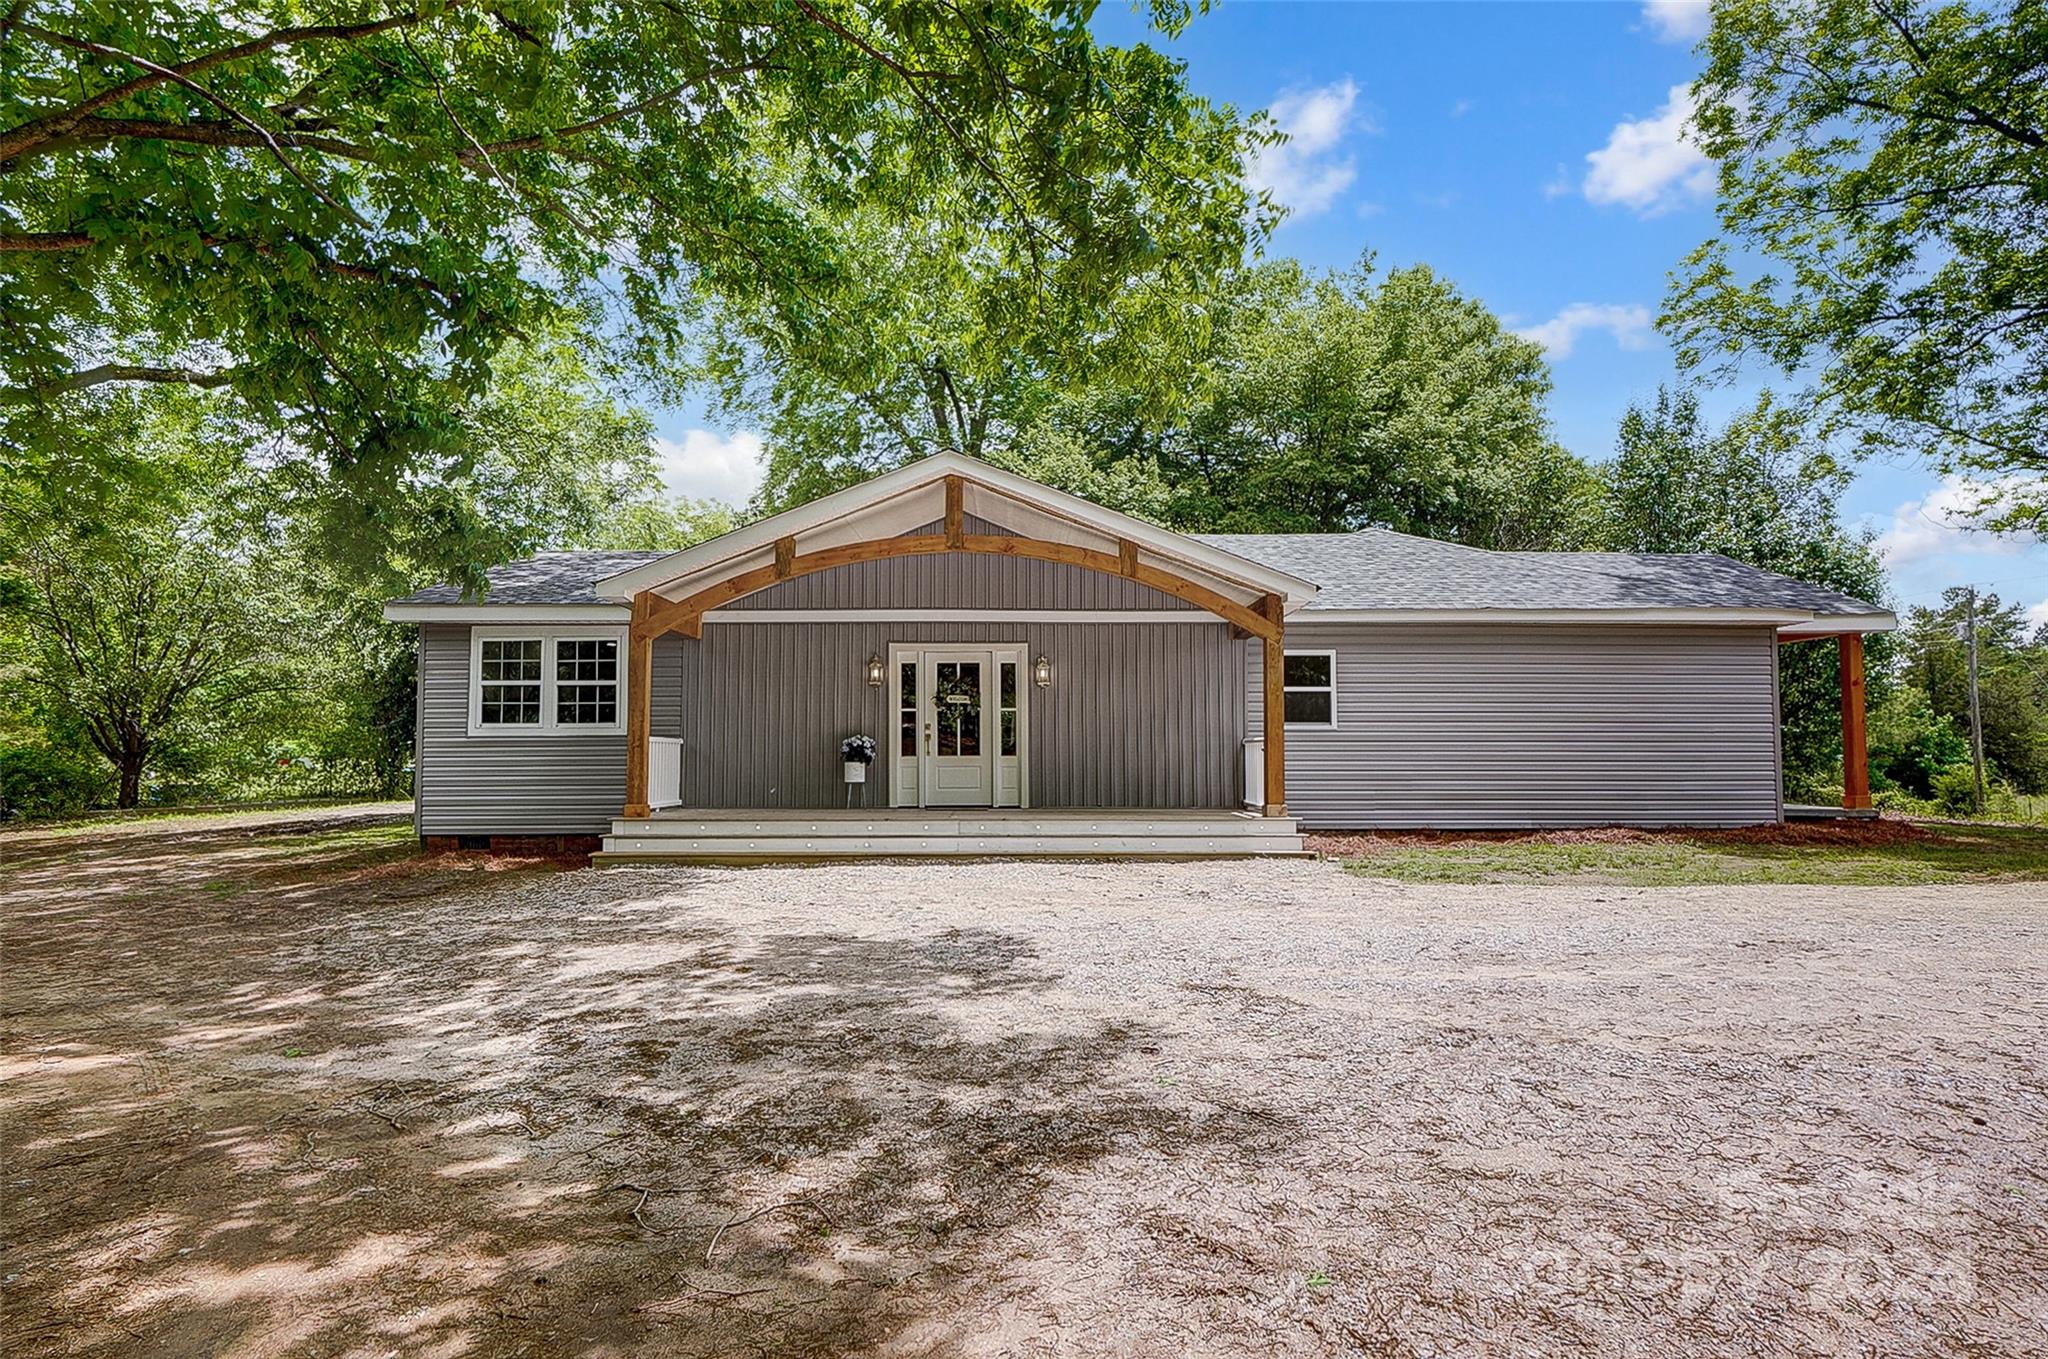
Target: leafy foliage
[[175, 601], [1884, 166], [1748, 491], [2012, 682], [1357, 399], [340, 213], [1309, 403]]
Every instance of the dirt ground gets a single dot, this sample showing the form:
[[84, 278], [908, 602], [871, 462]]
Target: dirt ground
[[281, 1086]]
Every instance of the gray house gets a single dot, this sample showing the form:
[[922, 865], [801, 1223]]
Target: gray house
[[1041, 675]]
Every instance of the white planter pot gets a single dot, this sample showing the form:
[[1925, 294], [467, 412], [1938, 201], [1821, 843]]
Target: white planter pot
[[856, 772]]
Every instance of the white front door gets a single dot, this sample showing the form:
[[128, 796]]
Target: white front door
[[957, 766]]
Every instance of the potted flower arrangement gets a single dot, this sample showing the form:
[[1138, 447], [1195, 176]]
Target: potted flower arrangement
[[857, 753]]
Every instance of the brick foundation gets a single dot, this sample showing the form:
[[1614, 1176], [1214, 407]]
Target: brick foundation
[[551, 846]]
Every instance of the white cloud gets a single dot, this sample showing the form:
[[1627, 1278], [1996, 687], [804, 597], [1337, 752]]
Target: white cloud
[[1683, 21], [1939, 523], [707, 465], [1303, 172], [1560, 183], [1629, 325], [2038, 615], [1461, 108], [1649, 165]]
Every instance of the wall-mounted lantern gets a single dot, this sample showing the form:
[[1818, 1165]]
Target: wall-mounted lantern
[[875, 671], [1041, 672]]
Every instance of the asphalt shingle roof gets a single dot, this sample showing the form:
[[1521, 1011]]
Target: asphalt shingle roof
[[1369, 569], [1381, 569], [550, 578]]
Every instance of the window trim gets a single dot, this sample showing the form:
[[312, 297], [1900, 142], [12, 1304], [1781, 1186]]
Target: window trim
[[547, 637], [1330, 688]]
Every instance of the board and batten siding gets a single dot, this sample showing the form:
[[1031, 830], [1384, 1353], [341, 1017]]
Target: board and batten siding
[[1530, 726], [1137, 715], [511, 784]]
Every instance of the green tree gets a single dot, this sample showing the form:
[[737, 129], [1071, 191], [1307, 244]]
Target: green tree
[[659, 524], [135, 633], [2012, 681], [1884, 213], [1911, 745], [175, 598], [1750, 491], [1354, 398], [340, 213]]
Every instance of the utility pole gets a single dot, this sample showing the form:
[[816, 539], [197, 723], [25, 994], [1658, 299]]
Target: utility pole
[[1976, 717]]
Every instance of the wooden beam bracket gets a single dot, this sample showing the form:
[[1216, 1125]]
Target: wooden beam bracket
[[956, 517]]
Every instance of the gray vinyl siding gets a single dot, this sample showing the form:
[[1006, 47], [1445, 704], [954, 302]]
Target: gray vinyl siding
[[1461, 727], [518, 785], [1138, 715]]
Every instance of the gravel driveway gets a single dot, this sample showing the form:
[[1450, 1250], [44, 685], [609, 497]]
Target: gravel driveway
[[371, 1106]]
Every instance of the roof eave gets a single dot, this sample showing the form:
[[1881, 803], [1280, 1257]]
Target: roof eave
[[474, 611]]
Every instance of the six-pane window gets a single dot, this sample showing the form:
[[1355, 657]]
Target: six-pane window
[[586, 682], [510, 674], [1309, 685]]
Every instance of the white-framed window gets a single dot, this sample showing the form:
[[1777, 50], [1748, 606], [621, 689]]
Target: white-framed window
[[547, 681], [1308, 688]]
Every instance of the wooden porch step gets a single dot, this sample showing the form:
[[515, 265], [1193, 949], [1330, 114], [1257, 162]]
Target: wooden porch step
[[677, 837], [929, 826]]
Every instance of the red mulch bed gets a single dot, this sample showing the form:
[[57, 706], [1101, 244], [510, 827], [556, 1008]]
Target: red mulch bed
[[1848, 834]]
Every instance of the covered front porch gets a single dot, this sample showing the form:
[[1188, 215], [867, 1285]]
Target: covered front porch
[[1038, 675]]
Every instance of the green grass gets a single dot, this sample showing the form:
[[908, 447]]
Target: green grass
[[1950, 854], [85, 822]]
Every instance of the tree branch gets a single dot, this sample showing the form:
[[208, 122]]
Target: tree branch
[[537, 140], [26, 135], [127, 372]]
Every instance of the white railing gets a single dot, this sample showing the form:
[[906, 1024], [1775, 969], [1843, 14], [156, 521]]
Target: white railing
[[664, 772], [1255, 773]]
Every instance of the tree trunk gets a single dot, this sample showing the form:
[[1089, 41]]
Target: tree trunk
[[133, 756]]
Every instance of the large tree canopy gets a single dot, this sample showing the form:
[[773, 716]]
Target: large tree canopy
[[1310, 402], [340, 210], [1884, 204], [1751, 490]]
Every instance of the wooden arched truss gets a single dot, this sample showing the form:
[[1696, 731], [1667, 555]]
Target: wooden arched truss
[[654, 616]]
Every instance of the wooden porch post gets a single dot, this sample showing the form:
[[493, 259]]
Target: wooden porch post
[[639, 703], [1855, 748], [1275, 707]]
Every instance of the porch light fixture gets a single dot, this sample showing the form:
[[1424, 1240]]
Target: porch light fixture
[[1041, 672], [875, 672]]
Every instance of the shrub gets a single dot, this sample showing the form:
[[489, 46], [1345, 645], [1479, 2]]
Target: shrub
[[1955, 792], [39, 780]]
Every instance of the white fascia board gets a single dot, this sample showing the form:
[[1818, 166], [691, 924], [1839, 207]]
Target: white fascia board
[[1778, 618], [1828, 624], [793, 522], [401, 612]]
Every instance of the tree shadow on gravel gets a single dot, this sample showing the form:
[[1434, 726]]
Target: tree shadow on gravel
[[531, 1113]]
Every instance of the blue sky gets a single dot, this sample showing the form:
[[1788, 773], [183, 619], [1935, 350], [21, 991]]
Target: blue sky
[[1530, 153]]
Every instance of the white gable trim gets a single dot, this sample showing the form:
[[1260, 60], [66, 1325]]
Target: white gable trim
[[1035, 499]]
